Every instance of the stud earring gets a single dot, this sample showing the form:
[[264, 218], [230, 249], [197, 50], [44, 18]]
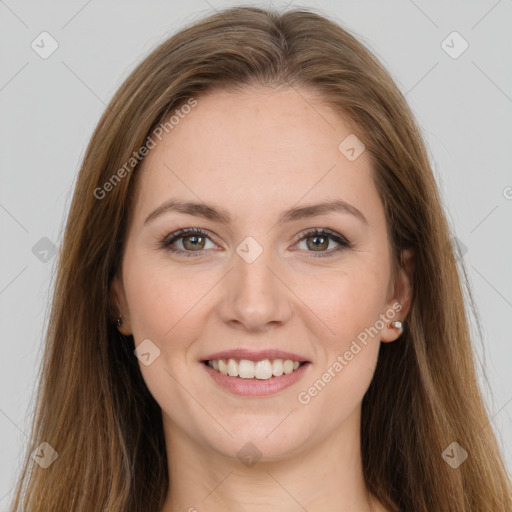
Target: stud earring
[[397, 325], [119, 321]]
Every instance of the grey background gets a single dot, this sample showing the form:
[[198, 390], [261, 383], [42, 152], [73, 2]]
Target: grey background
[[51, 106]]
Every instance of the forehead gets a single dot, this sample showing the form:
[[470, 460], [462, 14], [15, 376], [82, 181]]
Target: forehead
[[259, 149]]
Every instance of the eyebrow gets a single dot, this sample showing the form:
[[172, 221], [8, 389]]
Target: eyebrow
[[219, 214]]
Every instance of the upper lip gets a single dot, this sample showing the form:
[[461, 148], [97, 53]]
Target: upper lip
[[254, 355]]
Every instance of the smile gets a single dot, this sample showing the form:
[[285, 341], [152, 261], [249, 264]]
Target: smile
[[255, 378], [247, 369]]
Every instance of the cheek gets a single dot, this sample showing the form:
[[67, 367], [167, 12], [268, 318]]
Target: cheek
[[349, 302], [348, 353], [344, 301], [162, 302]]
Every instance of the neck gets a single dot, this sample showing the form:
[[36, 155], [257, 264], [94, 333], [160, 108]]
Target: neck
[[326, 476]]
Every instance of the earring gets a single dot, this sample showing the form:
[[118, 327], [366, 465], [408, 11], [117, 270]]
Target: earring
[[119, 321], [397, 325]]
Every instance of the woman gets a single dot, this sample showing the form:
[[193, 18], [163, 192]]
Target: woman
[[201, 353]]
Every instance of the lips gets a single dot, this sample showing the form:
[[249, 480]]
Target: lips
[[256, 387], [255, 373], [255, 355]]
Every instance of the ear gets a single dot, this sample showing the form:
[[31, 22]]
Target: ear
[[120, 306], [400, 296]]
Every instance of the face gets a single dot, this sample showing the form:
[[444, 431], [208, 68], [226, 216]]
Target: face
[[255, 278]]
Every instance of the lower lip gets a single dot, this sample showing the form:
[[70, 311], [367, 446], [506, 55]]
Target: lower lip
[[257, 387]]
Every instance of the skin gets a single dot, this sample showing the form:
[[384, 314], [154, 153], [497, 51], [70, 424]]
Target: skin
[[257, 153]]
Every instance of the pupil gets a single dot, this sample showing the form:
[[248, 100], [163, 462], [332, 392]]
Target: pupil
[[316, 238], [193, 241]]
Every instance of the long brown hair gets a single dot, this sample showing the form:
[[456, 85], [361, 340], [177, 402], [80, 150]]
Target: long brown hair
[[93, 407]]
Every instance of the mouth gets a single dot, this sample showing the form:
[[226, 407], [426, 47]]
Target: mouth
[[255, 378], [246, 369]]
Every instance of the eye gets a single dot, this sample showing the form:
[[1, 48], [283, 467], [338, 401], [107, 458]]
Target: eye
[[193, 241], [320, 239]]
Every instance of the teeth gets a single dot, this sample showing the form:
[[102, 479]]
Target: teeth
[[223, 367], [262, 370], [232, 368], [246, 369], [277, 367], [288, 366]]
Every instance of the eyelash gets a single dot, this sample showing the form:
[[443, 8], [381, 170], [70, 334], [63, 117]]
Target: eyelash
[[343, 242]]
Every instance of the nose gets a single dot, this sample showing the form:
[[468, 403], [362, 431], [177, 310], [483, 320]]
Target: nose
[[255, 294]]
